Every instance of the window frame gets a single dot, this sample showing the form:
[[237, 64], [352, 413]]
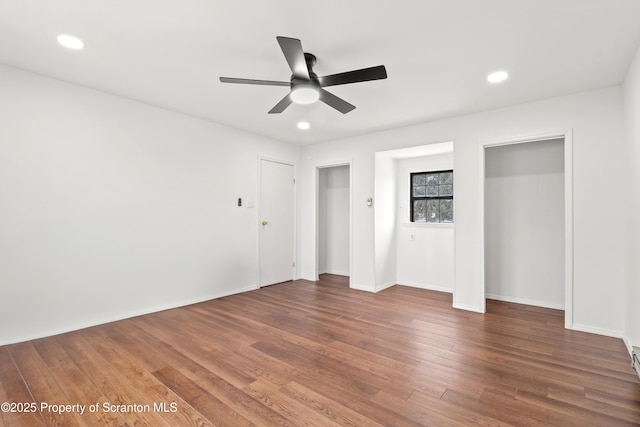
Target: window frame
[[413, 198]]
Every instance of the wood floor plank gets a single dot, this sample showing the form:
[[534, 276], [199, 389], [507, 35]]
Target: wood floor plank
[[327, 408], [43, 386], [200, 399], [597, 406], [512, 416], [112, 383], [307, 353], [147, 389], [13, 390], [459, 414], [423, 416], [204, 376], [213, 357], [288, 353], [578, 414], [287, 406], [505, 403], [78, 386]]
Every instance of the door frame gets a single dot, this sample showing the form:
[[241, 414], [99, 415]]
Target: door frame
[[317, 214], [259, 215], [567, 135]]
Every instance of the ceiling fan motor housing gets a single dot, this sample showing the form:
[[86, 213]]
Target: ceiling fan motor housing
[[305, 91], [310, 59]]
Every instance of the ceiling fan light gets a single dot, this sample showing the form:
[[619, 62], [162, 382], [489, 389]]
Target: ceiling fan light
[[304, 94]]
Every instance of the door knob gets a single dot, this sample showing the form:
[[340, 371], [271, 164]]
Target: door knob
[[264, 222]]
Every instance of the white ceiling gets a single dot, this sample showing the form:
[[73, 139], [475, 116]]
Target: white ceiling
[[170, 53]]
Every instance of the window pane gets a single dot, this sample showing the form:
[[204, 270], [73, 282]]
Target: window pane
[[432, 179], [446, 190], [446, 210], [420, 211], [419, 179], [446, 178], [431, 196], [433, 210]]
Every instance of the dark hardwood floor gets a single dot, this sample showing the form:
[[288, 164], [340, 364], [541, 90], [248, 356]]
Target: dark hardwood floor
[[320, 354]]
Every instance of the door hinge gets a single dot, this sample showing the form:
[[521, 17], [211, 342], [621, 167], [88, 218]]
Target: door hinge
[[294, 263], [294, 181]]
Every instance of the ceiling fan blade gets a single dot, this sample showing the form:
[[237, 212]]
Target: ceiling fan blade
[[292, 49], [281, 106], [355, 76], [253, 82], [333, 101]]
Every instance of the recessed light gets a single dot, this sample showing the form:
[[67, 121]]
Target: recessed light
[[304, 125], [497, 77], [70, 42]]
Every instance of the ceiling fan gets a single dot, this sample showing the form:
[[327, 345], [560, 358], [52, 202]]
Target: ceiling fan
[[305, 85]]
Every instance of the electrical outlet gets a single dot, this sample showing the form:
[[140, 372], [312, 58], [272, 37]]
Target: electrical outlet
[[412, 237]]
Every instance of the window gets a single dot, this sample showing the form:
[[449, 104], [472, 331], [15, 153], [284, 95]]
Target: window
[[432, 196]]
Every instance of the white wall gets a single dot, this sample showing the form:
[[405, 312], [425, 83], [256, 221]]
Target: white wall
[[111, 208], [632, 199], [426, 261], [384, 206], [333, 226], [524, 223], [596, 120]]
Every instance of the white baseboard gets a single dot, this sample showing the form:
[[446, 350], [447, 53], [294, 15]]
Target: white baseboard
[[361, 287], [436, 288], [385, 286], [337, 273], [525, 301], [635, 361], [467, 307], [627, 343], [375, 289], [597, 331]]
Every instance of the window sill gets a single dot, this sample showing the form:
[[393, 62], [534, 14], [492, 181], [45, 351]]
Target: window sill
[[428, 224]]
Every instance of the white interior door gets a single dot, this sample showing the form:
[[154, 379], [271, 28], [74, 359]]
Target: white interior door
[[276, 222]]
